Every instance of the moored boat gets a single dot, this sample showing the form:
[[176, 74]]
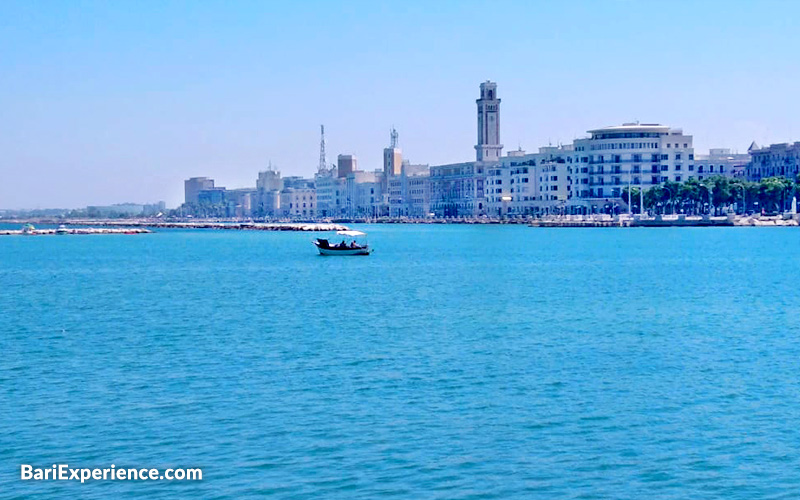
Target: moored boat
[[353, 243]]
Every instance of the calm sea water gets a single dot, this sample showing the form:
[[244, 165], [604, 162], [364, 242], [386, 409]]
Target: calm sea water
[[455, 362]]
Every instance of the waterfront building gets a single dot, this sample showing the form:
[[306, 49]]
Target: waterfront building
[[240, 202], [457, 189], [409, 192], [363, 194], [775, 160], [268, 188], [212, 196], [531, 183], [298, 202], [631, 154], [720, 161], [329, 189], [193, 186], [269, 180]]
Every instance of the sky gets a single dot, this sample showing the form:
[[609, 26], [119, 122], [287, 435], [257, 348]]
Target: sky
[[110, 102]]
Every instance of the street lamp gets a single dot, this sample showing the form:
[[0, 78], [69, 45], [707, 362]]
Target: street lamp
[[671, 203]]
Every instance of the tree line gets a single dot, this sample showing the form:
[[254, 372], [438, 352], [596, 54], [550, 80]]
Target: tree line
[[717, 195]]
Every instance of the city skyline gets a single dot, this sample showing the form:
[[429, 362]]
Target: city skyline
[[104, 107]]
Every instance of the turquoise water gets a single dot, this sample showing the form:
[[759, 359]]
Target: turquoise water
[[455, 362]]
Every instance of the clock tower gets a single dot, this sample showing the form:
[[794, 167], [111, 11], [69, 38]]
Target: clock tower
[[488, 147]]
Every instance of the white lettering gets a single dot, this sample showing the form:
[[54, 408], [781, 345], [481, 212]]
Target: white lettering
[[26, 472]]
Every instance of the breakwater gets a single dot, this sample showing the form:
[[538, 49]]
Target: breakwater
[[82, 230], [241, 226]]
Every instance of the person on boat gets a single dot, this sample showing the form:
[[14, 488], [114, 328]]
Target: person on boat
[[343, 244], [354, 245]]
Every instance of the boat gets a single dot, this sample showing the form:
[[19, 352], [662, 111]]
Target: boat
[[353, 243], [62, 229], [28, 229]]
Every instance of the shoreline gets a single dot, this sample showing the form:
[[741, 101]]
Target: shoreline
[[115, 226]]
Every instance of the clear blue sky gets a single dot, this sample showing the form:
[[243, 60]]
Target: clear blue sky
[[105, 102]]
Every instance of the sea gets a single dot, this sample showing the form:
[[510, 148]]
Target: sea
[[455, 362]]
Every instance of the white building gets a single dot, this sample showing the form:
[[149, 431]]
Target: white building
[[639, 155], [530, 184]]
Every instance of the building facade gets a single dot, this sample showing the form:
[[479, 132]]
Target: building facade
[[775, 160], [298, 203], [193, 186], [720, 161], [629, 155]]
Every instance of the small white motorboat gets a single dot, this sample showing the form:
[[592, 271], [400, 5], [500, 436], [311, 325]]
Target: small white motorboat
[[353, 243]]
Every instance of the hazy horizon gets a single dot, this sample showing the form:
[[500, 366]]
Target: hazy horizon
[[121, 102]]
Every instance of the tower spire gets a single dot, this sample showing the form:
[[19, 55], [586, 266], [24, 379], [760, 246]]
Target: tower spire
[[394, 136]]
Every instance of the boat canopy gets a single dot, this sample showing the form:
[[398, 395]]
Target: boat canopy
[[351, 233]]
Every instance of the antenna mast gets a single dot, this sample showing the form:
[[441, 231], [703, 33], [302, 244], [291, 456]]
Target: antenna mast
[[323, 164]]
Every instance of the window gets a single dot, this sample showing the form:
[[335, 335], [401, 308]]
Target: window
[[664, 168], [664, 179], [691, 167], [677, 178], [668, 145], [677, 167], [677, 156], [691, 156], [665, 157]]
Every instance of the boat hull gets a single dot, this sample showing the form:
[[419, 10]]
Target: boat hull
[[344, 251]]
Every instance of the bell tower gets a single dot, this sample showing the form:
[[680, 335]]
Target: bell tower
[[488, 147]]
